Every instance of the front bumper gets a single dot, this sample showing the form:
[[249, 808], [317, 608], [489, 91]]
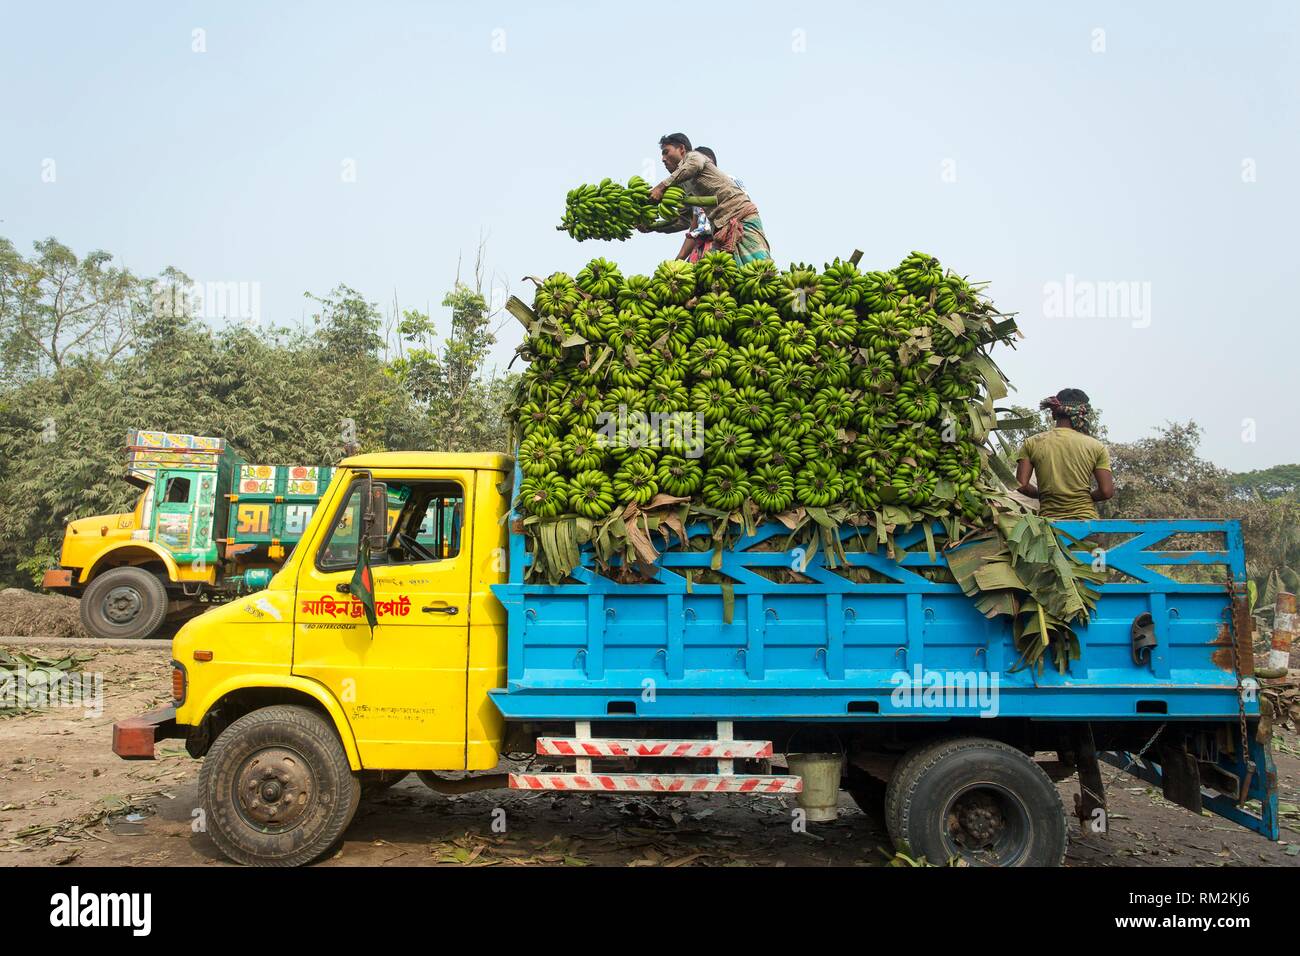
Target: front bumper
[[134, 737]]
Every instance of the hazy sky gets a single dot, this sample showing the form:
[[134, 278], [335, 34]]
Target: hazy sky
[[1050, 149]]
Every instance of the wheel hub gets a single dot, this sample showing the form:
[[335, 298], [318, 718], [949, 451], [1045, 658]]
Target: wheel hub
[[122, 604], [979, 821], [275, 788]]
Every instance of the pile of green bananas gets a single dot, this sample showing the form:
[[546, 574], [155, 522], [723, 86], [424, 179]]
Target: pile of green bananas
[[752, 388], [608, 210]]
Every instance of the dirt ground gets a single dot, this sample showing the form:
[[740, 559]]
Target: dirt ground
[[66, 799]]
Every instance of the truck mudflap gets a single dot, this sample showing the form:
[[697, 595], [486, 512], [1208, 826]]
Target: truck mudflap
[[1237, 784], [134, 737]]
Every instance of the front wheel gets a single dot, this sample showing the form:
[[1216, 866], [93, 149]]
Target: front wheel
[[125, 602], [277, 789], [977, 800]]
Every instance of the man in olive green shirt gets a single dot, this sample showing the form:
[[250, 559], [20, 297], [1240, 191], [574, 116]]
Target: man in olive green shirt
[[1066, 460]]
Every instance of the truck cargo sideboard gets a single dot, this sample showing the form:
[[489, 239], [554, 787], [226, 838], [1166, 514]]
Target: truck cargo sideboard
[[780, 635]]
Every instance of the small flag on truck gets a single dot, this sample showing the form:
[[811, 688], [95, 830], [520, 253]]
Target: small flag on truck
[[363, 583]]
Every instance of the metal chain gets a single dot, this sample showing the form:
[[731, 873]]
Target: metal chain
[[1241, 693]]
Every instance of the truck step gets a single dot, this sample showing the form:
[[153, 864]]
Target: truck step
[[618, 747], [684, 783]]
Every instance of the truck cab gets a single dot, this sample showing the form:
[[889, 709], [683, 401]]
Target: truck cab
[[299, 660]]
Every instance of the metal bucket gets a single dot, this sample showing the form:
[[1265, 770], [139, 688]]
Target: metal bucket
[[821, 783]]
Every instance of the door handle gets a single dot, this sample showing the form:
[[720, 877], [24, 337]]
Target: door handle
[[450, 609], [343, 588]]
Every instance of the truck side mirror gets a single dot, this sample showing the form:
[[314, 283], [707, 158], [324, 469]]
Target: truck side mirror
[[374, 516]]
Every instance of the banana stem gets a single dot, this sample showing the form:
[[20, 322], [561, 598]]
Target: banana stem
[[700, 201]]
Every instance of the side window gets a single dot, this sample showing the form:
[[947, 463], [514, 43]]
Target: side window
[[178, 491], [341, 544], [424, 521], [440, 527]]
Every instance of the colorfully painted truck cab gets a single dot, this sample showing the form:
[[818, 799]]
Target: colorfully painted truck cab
[[663, 683]]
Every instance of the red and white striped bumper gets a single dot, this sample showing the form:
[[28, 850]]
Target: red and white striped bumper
[[614, 747], [684, 783]]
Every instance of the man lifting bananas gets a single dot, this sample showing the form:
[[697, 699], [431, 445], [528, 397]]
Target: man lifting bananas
[[737, 227]]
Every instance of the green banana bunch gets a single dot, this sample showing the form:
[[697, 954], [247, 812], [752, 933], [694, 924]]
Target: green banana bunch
[[667, 394], [632, 369], [834, 406], [822, 443], [607, 210], [556, 297], [637, 294], [918, 402], [626, 329], [591, 494], [752, 365], [920, 273], [635, 481], [882, 292], [843, 284], [781, 451], [671, 203], [727, 443], [674, 283], [540, 454], [540, 418], [793, 380], [801, 291], [756, 323], [960, 463], [772, 488], [913, 484], [600, 278], [593, 319], [834, 324], [672, 328], [710, 357], [751, 407], [955, 295], [544, 495], [581, 404], [832, 367], [711, 398], [725, 487], [679, 476], [716, 271], [759, 281], [792, 417], [819, 484], [878, 369], [795, 342], [584, 450], [714, 313]]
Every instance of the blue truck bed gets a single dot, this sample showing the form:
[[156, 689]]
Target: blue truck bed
[[830, 648]]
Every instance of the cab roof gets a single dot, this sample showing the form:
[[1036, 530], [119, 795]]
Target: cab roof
[[481, 460]]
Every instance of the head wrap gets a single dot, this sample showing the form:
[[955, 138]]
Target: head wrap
[[1071, 404]]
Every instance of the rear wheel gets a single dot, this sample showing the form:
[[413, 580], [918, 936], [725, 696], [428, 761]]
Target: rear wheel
[[126, 602], [978, 800], [277, 789]]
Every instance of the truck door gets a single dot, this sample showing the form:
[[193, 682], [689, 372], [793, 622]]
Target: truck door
[[403, 687], [183, 508]]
